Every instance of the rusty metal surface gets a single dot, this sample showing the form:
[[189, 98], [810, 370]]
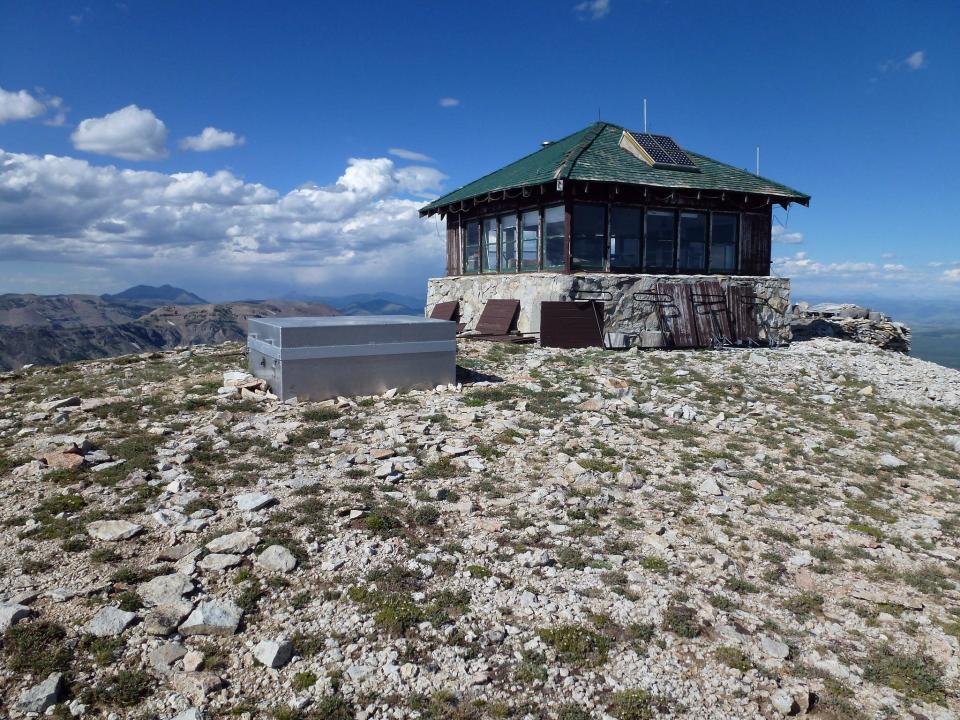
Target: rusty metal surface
[[571, 324], [499, 317]]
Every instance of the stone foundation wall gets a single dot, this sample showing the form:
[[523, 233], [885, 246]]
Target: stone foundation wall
[[622, 314]]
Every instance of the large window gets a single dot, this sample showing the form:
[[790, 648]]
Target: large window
[[490, 245], [472, 248], [626, 239], [530, 235], [508, 243], [692, 252], [723, 243], [661, 233], [554, 238], [588, 237]]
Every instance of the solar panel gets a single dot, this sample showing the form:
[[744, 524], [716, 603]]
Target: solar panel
[[664, 151]]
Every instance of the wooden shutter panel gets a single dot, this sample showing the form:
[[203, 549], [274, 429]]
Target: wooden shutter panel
[[454, 265]]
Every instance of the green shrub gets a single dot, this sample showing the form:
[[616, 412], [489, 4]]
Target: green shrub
[[631, 705], [36, 647], [681, 620], [576, 644], [916, 676]]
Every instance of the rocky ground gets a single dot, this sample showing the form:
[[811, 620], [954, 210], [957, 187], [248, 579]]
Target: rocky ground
[[569, 534]]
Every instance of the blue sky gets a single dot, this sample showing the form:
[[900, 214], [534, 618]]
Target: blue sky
[[250, 149]]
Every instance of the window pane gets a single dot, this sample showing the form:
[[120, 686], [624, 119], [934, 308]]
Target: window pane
[[626, 239], [508, 243], [660, 236], [589, 237], [723, 243], [693, 242], [528, 248], [490, 245], [553, 237], [472, 251]]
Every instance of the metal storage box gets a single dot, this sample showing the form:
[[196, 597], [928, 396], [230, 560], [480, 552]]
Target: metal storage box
[[316, 358]]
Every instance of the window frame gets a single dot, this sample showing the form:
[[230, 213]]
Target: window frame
[[485, 245], [633, 269], [543, 238], [605, 247], [538, 210], [465, 227], [738, 219], [674, 212], [516, 246], [706, 241]]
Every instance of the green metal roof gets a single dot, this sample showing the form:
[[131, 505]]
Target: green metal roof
[[594, 154]]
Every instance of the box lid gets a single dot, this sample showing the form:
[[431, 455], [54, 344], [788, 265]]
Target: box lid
[[291, 332]]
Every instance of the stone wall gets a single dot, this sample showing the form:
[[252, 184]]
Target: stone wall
[[622, 314]]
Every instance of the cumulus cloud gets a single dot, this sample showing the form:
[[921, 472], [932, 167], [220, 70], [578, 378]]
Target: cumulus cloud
[[211, 138], [19, 105], [952, 275], [781, 235], [592, 9], [449, 102], [410, 155], [130, 133], [365, 225]]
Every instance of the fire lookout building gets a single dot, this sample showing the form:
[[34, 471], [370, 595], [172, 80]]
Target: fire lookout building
[[658, 234]]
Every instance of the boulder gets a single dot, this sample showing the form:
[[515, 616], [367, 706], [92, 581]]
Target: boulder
[[196, 685], [113, 530], [41, 696], [215, 562], [213, 617], [236, 542], [164, 619], [273, 653], [165, 589], [11, 614], [109, 622], [250, 502], [277, 558]]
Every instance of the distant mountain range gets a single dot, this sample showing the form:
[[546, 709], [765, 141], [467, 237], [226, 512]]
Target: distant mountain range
[[53, 329], [379, 303]]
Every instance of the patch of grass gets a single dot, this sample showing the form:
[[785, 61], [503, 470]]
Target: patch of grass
[[634, 704], [102, 555], [321, 414], [734, 658], [928, 579], [440, 468], [303, 680], [741, 586], [916, 676], [804, 605], [681, 620], [36, 647], [426, 516], [249, 597], [866, 529], [125, 689], [478, 571], [532, 668], [102, 650], [655, 564], [129, 601], [576, 644]]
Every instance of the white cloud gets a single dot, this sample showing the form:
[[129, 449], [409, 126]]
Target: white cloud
[[449, 102], [410, 155], [19, 105], [913, 61], [781, 235], [129, 133], [952, 275], [212, 138], [364, 227], [593, 9]]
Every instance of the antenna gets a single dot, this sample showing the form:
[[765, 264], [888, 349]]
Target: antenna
[[644, 114], [758, 160]]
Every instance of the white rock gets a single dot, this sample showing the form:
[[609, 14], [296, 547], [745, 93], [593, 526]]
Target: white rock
[[109, 622], [113, 530], [220, 561], [11, 614], [273, 653], [165, 589], [236, 542], [41, 696], [213, 617], [277, 558], [782, 701], [251, 502], [890, 461], [774, 648]]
